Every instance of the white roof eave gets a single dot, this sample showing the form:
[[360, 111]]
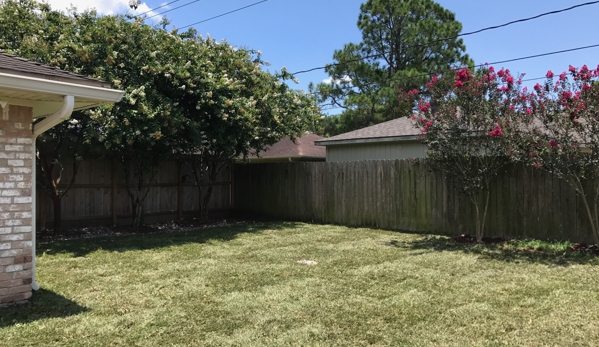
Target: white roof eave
[[92, 96]]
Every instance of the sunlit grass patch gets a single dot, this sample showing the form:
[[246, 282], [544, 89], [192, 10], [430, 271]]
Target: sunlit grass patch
[[243, 286]]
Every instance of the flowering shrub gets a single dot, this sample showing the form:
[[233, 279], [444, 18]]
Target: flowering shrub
[[562, 133], [468, 122], [474, 123]]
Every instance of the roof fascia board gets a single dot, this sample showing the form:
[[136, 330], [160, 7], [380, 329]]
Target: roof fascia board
[[370, 140], [284, 157], [39, 85]]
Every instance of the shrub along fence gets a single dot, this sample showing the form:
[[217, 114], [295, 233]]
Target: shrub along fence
[[99, 195], [406, 195]]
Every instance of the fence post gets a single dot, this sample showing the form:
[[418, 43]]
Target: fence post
[[179, 190], [113, 180]]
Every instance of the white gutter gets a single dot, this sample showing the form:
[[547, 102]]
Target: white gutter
[[39, 128]]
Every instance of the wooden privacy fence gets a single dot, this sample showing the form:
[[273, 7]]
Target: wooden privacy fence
[[405, 195], [99, 195]]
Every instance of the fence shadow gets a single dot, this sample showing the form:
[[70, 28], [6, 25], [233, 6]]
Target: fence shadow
[[496, 252], [135, 242], [43, 304]]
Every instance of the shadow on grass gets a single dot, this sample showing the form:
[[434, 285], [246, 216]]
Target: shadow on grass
[[125, 243], [42, 305], [502, 252]]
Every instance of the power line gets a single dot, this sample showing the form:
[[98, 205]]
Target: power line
[[172, 9], [500, 62], [224, 14], [454, 37], [159, 7], [531, 18], [340, 107]]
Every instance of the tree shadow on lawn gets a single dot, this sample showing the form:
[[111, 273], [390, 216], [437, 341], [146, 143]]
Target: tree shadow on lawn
[[500, 251], [43, 304], [82, 247]]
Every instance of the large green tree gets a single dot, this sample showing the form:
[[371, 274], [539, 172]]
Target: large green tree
[[183, 95], [231, 107], [402, 42]]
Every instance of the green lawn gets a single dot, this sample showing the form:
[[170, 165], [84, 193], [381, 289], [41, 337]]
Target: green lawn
[[242, 286]]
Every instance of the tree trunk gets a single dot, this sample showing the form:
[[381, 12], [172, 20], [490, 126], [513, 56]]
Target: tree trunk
[[57, 214], [479, 233], [137, 210], [591, 219], [479, 225]]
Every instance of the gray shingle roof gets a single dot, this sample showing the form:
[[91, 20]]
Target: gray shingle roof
[[19, 66], [399, 127]]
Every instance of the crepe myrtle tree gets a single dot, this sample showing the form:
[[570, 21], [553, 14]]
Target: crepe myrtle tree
[[231, 107], [140, 130], [471, 131], [563, 134], [183, 93], [136, 131]]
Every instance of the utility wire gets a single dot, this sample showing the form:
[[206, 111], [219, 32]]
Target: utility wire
[[514, 59], [159, 7], [224, 14], [454, 37], [531, 18], [172, 9], [340, 107], [498, 62]]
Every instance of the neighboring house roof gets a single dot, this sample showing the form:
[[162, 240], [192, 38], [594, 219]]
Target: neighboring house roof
[[399, 129], [20, 66], [287, 150], [27, 83]]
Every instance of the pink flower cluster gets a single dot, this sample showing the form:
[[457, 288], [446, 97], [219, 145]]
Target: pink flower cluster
[[413, 92], [462, 76], [426, 124], [497, 132], [432, 82]]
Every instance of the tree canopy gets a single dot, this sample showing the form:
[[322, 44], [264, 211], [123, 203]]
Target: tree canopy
[[403, 41], [184, 94]]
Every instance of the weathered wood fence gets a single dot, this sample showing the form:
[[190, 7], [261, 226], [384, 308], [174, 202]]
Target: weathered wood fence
[[99, 195], [405, 195]]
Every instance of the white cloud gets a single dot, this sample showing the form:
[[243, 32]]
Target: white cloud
[[102, 6], [337, 81]]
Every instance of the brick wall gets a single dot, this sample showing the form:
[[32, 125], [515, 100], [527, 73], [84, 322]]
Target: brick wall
[[16, 163]]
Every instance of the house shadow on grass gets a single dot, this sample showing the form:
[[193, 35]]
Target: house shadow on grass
[[43, 304], [136, 242], [501, 252]]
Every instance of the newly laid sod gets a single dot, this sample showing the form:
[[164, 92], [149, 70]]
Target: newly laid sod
[[243, 286]]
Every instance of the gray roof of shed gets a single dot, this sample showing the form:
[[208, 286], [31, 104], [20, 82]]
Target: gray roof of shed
[[15, 65], [395, 129]]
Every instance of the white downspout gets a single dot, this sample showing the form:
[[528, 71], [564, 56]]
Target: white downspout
[[52, 120]]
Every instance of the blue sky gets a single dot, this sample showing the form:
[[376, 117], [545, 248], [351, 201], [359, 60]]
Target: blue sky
[[304, 34]]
